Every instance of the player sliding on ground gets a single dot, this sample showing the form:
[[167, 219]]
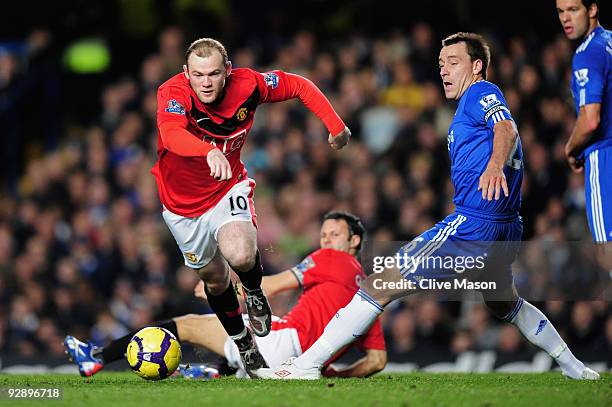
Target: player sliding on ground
[[486, 171], [329, 278], [204, 115]]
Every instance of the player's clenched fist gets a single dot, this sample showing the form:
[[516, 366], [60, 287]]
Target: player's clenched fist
[[491, 182], [220, 168], [339, 140]]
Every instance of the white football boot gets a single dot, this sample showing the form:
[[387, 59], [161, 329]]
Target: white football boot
[[289, 371]]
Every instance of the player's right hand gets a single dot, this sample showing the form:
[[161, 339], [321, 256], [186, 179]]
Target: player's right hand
[[220, 168], [492, 182], [339, 140]]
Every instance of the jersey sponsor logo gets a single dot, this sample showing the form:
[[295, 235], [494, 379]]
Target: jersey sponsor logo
[[242, 114], [229, 144], [175, 107], [582, 76], [271, 79], [489, 101]]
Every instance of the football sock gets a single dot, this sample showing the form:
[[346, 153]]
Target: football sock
[[227, 309], [252, 279], [538, 330], [349, 323], [116, 349]]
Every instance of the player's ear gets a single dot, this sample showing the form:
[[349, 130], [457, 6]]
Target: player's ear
[[354, 241], [593, 11], [477, 67], [185, 71], [228, 68]]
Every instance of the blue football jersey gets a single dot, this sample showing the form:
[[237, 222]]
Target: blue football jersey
[[592, 82], [470, 144]]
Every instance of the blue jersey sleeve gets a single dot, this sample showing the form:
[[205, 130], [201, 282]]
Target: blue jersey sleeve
[[589, 70], [487, 105]]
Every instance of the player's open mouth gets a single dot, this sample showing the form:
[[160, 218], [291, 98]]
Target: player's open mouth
[[568, 29], [447, 85]]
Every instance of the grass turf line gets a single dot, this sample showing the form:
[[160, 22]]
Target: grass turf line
[[416, 389]]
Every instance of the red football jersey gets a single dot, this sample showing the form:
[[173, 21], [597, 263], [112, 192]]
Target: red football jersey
[[330, 279], [183, 178]]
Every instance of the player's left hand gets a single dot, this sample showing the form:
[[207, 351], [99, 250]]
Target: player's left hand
[[492, 182], [339, 140]]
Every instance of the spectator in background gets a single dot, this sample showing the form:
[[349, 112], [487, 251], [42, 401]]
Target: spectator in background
[[98, 178]]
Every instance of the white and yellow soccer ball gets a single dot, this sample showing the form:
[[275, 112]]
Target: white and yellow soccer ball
[[154, 353]]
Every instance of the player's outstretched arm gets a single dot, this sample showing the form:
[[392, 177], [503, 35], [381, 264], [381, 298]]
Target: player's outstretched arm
[[278, 283], [586, 124], [493, 180], [373, 362], [280, 86]]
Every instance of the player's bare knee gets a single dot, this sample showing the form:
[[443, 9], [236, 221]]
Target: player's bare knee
[[242, 258], [238, 245]]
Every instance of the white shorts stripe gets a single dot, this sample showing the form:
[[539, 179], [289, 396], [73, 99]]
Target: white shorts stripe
[[597, 204], [432, 241], [435, 243], [593, 206], [449, 232]]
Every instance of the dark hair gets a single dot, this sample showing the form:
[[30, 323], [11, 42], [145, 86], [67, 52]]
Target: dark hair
[[354, 223], [589, 3], [477, 48], [203, 47]]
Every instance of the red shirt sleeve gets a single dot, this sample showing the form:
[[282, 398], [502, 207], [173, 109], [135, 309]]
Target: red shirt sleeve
[[173, 103], [311, 271], [374, 339], [276, 86]]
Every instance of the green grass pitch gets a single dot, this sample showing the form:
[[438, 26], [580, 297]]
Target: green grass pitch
[[416, 389]]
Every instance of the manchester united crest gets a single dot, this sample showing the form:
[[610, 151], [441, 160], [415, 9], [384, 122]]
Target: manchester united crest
[[242, 114]]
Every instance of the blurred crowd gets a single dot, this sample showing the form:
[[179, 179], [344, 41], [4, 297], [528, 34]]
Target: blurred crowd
[[84, 250]]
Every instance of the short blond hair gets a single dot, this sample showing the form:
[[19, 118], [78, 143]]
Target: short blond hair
[[203, 47]]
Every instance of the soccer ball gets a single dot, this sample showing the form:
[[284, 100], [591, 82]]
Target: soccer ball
[[154, 353]]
